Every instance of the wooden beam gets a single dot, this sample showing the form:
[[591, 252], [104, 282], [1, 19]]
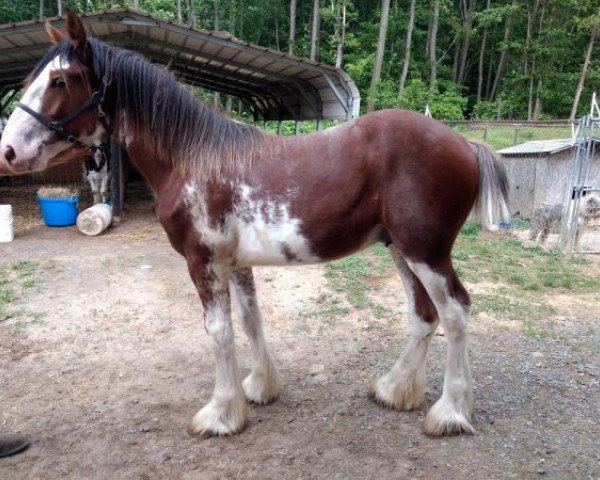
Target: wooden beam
[[117, 162]]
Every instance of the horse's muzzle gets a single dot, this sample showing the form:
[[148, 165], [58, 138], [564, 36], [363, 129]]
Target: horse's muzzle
[[11, 164]]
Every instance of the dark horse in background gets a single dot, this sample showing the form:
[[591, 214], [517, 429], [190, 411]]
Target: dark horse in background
[[231, 197]]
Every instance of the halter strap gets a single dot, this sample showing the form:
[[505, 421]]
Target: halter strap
[[58, 126]]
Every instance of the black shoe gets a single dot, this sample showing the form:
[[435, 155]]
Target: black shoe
[[12, 443]]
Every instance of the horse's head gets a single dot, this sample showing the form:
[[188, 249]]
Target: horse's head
[[59, 115]]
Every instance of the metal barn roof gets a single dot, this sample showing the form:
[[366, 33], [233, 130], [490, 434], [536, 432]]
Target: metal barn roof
[[541, 147], [538, 147], [274, 85]]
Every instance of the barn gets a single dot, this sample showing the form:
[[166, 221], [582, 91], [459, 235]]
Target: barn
[[273, 86], [540, 172]]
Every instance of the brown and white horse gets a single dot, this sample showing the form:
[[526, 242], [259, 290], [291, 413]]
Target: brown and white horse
[[230, 197]]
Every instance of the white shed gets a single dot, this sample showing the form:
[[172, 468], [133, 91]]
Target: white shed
[[539, 172]]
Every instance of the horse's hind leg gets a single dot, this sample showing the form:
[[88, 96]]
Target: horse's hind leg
[[263, 384], [452, 413], [403, 386]]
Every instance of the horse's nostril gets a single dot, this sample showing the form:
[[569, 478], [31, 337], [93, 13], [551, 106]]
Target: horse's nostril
[[9, 154]]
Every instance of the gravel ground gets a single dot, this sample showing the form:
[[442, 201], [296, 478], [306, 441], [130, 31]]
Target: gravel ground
[[105, 361]]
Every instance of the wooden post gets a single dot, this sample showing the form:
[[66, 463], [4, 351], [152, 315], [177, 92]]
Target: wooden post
[[117, 162]]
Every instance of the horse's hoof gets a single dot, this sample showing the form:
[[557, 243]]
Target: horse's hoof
[[445, 418], [262, 391], [407, 395], [219, 419]]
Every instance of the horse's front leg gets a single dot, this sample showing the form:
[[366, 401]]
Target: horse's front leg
[[263, 385], [226, 413]]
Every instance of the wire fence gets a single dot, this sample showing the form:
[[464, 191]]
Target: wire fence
[[503, 134]]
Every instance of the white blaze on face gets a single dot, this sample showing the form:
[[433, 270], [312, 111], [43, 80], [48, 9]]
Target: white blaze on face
[[23, 132]]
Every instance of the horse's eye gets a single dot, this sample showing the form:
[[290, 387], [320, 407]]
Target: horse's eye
[[58, 82]]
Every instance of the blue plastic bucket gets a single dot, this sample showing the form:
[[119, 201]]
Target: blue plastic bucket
[[59, 212]]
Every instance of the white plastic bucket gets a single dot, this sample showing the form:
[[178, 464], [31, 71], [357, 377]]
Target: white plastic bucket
[[6, 224], [94, 220]]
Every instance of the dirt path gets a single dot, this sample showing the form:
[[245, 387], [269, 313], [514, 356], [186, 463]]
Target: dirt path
[[105, 361]]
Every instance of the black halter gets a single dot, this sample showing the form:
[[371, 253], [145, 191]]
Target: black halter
[[58, 126]]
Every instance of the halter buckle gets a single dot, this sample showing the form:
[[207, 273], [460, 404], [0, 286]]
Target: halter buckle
[[56, 127], [96, 98]]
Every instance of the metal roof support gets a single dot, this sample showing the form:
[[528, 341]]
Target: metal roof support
[[277, 98], [350, 109], [261, 104], [317, 96], [250, 106], [351, 90], [280, 85], [211, 57], [294, 111], [201, 69], [308, 100], [339, 97]]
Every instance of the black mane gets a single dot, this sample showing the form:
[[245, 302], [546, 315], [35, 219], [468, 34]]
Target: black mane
[[147, 99]]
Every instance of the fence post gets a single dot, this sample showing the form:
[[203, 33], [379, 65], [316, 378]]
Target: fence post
[[485, 132], [516, 138], [117, 158]]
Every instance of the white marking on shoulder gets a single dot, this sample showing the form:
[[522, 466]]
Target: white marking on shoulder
[[261, 231], [268, 234], [195, 199]]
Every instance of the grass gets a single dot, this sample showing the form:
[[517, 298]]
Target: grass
[[15, 279], [508, 304], [354, 278], [349, 276], [506, 260], [523, 279]]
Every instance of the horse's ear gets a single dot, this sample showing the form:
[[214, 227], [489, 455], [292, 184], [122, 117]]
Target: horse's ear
[[55, 35], [75, 31]]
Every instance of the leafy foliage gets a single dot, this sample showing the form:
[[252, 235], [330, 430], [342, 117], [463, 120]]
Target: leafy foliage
[[533, 51]]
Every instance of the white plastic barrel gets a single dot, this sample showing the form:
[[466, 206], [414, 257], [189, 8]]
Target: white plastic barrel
[[94, 220], [6, 224]]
